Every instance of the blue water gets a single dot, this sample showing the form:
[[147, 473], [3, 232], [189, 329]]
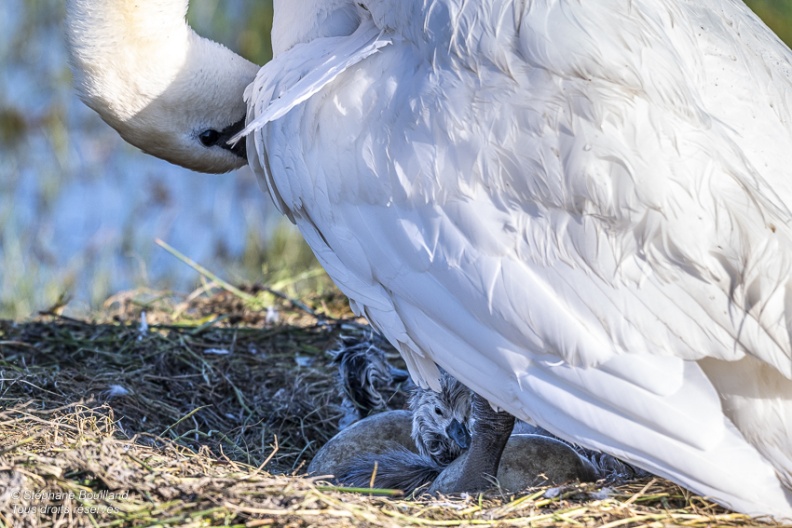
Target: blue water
[[79, 209]]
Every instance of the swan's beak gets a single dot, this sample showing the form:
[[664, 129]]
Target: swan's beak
[[458, 433], [238, 147]]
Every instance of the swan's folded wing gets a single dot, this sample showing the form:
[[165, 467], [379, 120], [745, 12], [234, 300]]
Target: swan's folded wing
[[291, 79], [565, 207], [565, 241]]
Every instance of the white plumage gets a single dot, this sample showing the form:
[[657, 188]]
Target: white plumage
[[579, 209]]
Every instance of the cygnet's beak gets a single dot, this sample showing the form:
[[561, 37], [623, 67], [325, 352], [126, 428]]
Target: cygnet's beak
[[399, 375], [458, 433]]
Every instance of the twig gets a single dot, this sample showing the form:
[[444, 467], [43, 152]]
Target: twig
[[373, 474], [640, 493], [206, 273], [366, 491], [180, 420]]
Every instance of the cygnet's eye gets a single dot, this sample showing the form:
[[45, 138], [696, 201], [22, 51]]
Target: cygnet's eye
[[209, 138], [438, 411]]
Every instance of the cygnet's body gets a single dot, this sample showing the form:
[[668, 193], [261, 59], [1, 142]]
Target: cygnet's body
[[440, 431], [441, 422], [363, 372]]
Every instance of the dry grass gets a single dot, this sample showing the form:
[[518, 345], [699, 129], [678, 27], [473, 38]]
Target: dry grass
[[208, 417]]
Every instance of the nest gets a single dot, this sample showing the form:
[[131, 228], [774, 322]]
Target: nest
[[204, 412]]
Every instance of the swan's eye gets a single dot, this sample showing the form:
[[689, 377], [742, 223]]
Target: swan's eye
[[209, 138], [438, 411]]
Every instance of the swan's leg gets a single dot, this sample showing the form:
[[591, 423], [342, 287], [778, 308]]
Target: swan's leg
[[491, 431]]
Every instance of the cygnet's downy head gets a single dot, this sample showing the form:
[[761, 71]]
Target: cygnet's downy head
[[165, 89], [441, 420]]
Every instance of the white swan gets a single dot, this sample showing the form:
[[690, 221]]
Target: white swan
[[579, 209]]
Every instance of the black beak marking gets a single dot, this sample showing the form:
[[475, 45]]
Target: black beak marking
[[458, 433], [240, 147]]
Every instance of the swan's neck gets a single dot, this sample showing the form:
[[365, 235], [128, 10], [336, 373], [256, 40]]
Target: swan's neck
[[126, 53], [153, 79]]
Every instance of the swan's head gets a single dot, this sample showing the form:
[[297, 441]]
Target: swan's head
[[165, 89], [440, 420]]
